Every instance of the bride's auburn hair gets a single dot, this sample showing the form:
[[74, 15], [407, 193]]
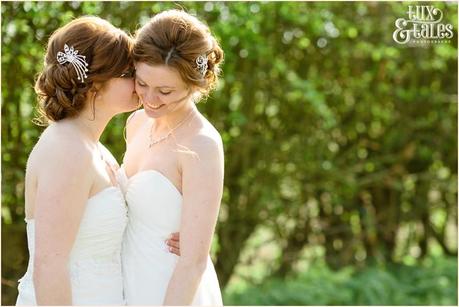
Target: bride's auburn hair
[[108, 52], [176, 38]]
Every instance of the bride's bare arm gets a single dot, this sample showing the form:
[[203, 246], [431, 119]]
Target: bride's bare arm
[[63, 187], [202, 184]]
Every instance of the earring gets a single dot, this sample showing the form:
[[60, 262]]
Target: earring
[[94, 106]]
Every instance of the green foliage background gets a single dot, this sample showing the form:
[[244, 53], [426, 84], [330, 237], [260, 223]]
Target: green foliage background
[[341, 148]]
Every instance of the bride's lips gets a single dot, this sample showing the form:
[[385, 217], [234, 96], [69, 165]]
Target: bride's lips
[[157, 107]]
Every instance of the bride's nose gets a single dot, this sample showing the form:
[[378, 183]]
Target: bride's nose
[[151, 98]]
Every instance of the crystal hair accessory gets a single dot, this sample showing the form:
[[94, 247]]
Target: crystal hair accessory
[[70, 55], [201, 62]]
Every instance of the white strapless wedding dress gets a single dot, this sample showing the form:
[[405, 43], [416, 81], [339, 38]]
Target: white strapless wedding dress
[[154, 213], [95, 260]]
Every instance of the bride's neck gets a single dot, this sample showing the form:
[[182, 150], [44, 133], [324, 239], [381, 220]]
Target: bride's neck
[[91, 124], [167, 122]]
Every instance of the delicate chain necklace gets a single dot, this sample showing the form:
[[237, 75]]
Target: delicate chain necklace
[[154, 142]]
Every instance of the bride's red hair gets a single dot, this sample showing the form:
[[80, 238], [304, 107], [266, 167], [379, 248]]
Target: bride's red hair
[[108, 51]]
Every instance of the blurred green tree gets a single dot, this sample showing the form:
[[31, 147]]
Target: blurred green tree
[[340, 144]]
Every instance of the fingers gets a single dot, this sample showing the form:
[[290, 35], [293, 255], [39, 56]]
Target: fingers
[[174, 251], [111, 174], [112, 169], [172, 243], [175, 236]]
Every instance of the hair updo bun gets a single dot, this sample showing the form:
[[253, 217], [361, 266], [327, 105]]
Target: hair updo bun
[[108, 52], [176, 38]]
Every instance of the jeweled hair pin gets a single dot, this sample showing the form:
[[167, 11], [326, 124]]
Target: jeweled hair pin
[[70, 55], [201, 62]]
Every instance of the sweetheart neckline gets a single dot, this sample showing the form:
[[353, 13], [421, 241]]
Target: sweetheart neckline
[[129, 179]]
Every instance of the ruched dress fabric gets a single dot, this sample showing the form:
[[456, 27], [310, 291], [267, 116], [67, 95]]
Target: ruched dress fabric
[[95, 260], [154, 213]]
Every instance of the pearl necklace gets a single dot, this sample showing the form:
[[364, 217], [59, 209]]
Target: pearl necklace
[[154, 142]]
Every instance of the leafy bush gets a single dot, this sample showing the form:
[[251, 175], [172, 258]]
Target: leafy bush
[[433, 282]]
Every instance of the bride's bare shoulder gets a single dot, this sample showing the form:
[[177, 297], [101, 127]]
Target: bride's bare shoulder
[[207, 130], [205, 140], [59, 144]]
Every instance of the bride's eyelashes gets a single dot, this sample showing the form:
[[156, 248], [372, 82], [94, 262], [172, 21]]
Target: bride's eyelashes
[[141, 84]]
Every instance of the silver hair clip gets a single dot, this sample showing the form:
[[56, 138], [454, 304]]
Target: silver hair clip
[[78, 61], [201, 62]]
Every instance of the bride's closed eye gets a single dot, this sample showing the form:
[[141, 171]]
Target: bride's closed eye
[[142, 84]]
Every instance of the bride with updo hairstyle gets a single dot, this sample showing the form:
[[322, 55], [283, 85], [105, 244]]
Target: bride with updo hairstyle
[[173, 166], [107, 51], [75, 212], [176, 39]]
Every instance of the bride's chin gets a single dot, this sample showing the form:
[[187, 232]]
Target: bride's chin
[[152, 113]]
